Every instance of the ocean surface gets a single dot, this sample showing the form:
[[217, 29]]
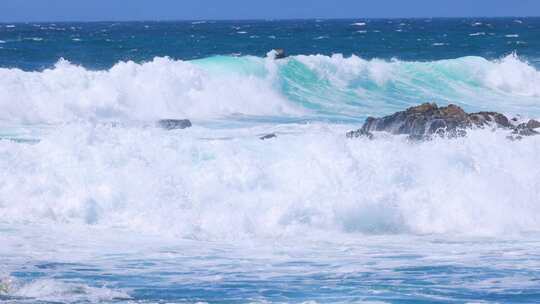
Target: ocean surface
[[99, 205]]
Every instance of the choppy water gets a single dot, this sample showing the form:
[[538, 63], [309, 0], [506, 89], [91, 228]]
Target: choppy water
[[97, 205]]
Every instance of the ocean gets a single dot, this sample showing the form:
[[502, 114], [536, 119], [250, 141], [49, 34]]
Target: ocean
[[98, 204]]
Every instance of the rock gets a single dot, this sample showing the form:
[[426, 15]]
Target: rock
[[268, 136], [174, 124], [533, 124], [279, 54], [428, 120], [482, 119], [526, 129], [359, 133]]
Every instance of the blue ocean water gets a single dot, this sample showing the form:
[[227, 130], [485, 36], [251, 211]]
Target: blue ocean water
[[99, 205]]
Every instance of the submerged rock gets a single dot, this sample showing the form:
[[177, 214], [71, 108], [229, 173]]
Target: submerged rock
[[268, 136], [428, 120], [174, 124]]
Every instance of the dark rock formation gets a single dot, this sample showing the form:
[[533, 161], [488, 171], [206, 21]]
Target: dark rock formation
[[428, 120], [174, 124], [527, 129], [279, 54], [533, 124], [268, 136]]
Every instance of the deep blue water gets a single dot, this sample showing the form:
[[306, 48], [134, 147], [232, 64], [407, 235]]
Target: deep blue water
[[102, 44]]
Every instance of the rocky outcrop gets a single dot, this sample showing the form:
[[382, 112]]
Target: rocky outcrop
[[428, 120], [268, 136], [174, 124]]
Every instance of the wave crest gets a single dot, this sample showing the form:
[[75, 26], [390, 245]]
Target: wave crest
[[302, 85]]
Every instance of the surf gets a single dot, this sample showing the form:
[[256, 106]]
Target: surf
[[315, 86]]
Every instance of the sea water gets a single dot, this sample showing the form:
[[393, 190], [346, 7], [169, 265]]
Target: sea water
[[99, 205]]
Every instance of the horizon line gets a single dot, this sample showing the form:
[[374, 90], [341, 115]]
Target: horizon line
[[265, 19]]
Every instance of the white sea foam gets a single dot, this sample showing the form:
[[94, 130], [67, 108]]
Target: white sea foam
[[57, 291], [311, 178], [511, 75], [157, 89]]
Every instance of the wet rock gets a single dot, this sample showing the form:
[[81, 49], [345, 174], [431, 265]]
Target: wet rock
[[533, 124], [279, 54], [428, 120], [268, 136], [174, 124], [482, 119], [527, 129], [359, 133]]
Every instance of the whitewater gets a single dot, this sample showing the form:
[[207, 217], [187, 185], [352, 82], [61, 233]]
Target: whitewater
[[98, 204], [335, 87]]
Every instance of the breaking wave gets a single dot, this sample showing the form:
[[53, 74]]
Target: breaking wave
[[222, 182], [300, 86]]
